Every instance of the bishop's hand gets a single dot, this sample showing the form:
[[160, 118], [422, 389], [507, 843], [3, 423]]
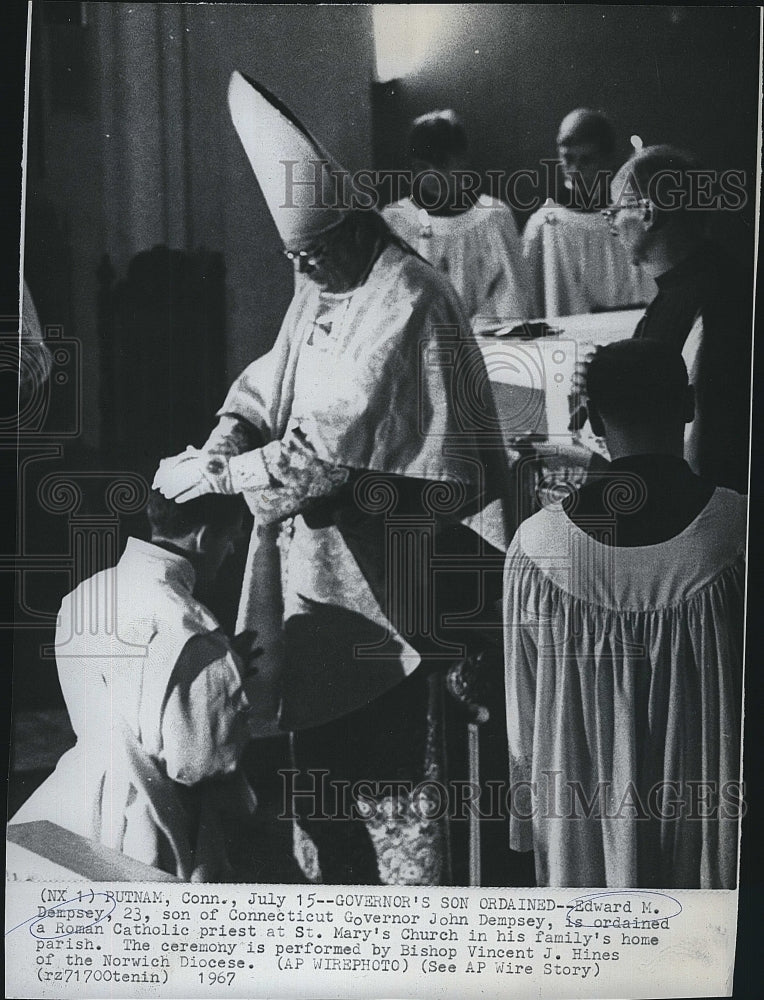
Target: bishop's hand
[[191, 474]]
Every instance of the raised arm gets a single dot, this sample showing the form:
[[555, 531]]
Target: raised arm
[[280, 479]]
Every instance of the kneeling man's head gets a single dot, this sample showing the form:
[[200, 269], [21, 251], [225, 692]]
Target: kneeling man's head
[[206, 528]]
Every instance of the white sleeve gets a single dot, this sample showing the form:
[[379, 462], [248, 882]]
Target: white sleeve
[[284, 477], [232, 435], [693, 430], [692, 347], [204, 722], [261, 393]]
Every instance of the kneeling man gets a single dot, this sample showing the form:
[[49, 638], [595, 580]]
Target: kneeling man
[[156, 696]]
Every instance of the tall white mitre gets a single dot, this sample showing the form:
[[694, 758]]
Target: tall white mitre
[[284, 155]]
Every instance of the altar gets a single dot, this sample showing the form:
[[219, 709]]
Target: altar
[[532, 378], [532, 384]]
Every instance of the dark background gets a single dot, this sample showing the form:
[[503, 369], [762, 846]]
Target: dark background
[[130, 147], [686, 75]]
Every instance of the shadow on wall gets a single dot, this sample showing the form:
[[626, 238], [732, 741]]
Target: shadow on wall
[[162, 330]]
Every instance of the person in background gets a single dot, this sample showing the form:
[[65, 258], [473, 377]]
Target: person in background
[[575, 264], [160, 702], [34, 355], [624, 625], [470, 237], [703, 306], [27, 364], [364, 470]]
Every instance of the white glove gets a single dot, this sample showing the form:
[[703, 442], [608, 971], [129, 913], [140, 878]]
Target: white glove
[[192, 474]]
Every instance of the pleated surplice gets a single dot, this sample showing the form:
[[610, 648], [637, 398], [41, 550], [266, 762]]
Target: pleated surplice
[[623, 683]]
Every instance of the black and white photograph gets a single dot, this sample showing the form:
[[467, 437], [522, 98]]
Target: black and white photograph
[[380, 410]]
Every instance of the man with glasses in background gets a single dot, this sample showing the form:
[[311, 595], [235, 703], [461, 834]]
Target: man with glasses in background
[[703, 305]]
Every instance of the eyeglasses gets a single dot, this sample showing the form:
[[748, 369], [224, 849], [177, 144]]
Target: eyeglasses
[[311, 256], [610, 213]]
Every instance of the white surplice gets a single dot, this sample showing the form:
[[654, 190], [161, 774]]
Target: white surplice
[[578, 266], [154, 695], [384, 379], [623, 672], [480, 251]]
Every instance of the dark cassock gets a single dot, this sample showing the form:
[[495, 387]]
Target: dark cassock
[[704, 308], [367, 447]]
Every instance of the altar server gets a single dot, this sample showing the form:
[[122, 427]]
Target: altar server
[[471, 237], [576, 265], [624, 652]]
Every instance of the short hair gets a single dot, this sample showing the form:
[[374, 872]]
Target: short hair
[[437, 136], [590, 126], [170, 519], [662, 174], [637, 382]]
